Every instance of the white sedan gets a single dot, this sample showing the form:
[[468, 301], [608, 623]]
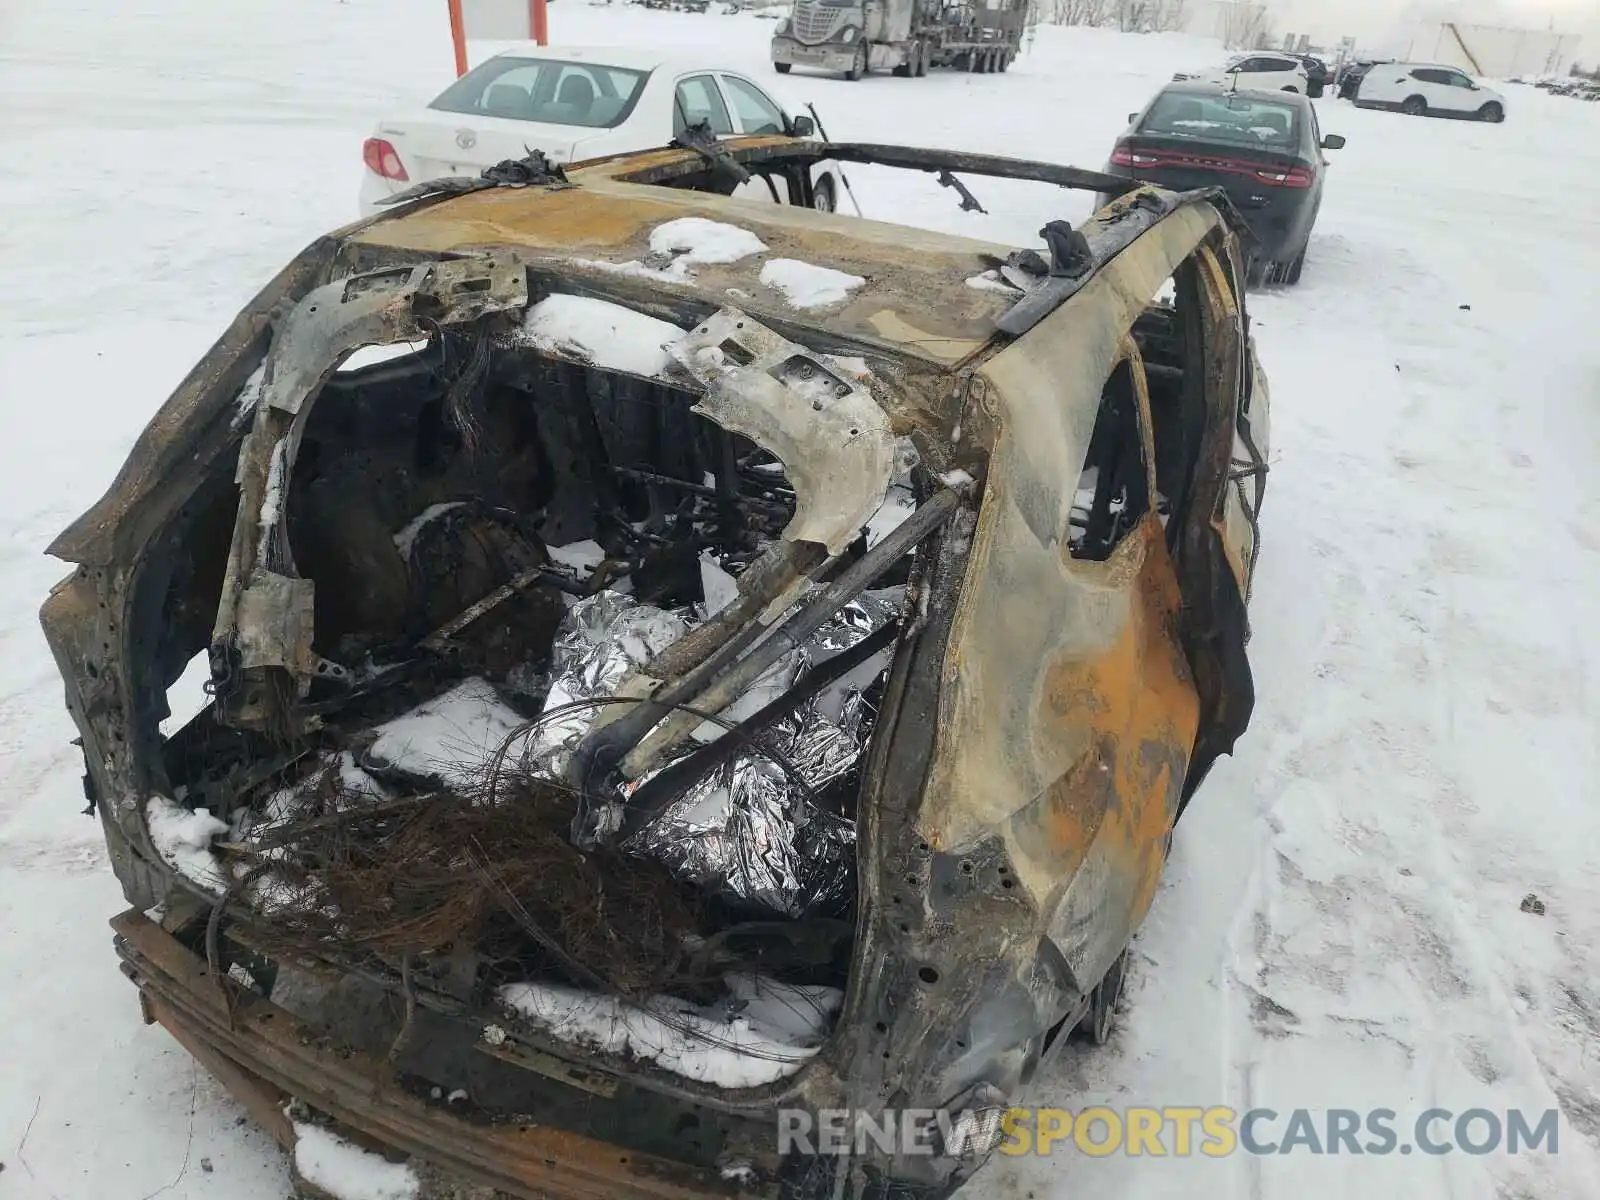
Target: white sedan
[[1260, 72], [577, 103]]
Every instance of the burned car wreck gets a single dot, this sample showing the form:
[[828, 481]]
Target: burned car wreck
[[671, 661]]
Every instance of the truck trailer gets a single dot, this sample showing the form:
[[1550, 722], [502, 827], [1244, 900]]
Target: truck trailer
[[855, 37]]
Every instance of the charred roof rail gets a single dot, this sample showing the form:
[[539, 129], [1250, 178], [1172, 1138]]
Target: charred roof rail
[[1101, 242]]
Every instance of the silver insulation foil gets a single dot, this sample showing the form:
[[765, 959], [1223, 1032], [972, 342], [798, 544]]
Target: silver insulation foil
[[601, 641], [746, 830]]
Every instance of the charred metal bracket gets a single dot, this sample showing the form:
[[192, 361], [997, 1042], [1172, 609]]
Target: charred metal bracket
[[532, 170], [1070, 254], [832, 437], [699, 138], [969, 202], [264, 621], [1101, 242]]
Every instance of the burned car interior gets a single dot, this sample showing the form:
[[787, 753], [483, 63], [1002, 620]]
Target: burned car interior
[[643, 693]]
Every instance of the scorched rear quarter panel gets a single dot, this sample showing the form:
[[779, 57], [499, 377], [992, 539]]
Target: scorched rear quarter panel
[[1068, 712]]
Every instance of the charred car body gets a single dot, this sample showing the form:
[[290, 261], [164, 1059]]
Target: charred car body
[[710, 660]]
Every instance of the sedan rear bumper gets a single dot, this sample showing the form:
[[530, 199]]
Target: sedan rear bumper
[[266, 1057]]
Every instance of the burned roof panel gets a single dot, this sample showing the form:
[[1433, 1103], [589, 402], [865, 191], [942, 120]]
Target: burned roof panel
[[914, 293]]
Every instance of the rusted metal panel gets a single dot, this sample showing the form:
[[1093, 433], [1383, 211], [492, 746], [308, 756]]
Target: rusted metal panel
[[264, 1041]]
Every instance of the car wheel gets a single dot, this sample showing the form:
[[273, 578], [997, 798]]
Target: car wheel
[[823, 197], [1292, 275], [859, 67], [783, 68], [1415, 106], [1492, 112], [1098, 1023], [975, 63], [1005, 61], [922, 59]]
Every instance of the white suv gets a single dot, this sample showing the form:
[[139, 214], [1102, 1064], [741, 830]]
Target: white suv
[[1258, 72], [1424, 89]]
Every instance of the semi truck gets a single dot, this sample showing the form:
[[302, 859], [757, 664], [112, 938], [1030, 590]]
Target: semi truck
[[855, 37]]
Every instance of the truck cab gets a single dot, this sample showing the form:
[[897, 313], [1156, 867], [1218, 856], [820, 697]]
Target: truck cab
[[856, 37]]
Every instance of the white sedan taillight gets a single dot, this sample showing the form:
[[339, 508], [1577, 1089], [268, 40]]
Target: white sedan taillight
[[383, 159]]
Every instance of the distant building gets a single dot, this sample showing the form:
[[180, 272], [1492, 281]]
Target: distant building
[[1498, 52]]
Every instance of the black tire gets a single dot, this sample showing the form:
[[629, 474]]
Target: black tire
[[859, 67], [823, 197], [783, 68], [975, 62], [1492, 113], [1415, 106], [922, 59], [1100, 1021], [1005, 62]]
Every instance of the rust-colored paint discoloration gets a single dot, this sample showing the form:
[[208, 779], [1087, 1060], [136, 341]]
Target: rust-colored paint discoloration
[[1135, 706], [1067, 711]]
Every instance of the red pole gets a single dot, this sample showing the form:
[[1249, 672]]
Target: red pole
[[539, 21], [458, 37]]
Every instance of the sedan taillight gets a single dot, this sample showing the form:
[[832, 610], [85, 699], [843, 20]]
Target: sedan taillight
[[1294, 177], [383, 159], [1122, 156]]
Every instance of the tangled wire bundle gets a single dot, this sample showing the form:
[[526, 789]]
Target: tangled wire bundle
[[489, 869]]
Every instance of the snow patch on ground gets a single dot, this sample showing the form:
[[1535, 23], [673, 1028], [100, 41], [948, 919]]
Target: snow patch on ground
[[452, 737], [407, 537], [347, 1172], [806, 285], [183, 839], [605, 334], [764, 1031], [696, 240]]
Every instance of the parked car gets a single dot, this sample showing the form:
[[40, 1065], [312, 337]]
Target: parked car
[[1351, 75], [1265, 149], [1318, 74], [1424, 89], [574, 103], [951, 541], [1257, 72]]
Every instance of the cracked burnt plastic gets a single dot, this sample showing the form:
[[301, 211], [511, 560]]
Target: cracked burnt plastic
[[1069, 662]]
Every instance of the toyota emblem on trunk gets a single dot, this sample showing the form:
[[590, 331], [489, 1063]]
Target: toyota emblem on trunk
[[466, 139]]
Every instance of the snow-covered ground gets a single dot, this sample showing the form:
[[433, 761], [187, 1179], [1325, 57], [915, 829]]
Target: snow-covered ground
[[1341, 923]]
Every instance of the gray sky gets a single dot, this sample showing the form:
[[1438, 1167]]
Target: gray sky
[[1376, 19]]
